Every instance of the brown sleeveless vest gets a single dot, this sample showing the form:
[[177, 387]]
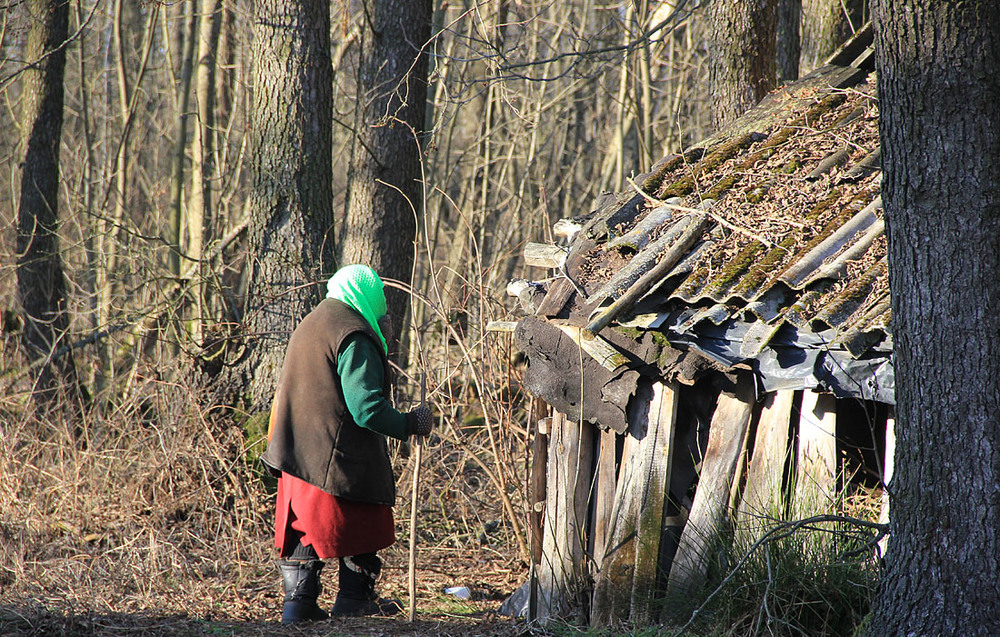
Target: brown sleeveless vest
[[312, 434]]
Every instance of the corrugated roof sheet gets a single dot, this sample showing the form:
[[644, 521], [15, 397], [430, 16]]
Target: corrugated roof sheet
[[797, 237]]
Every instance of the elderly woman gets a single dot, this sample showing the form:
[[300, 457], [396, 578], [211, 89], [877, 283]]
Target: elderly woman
[[326, 443]]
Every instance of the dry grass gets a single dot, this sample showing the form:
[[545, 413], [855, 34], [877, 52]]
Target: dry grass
[[152, 517]]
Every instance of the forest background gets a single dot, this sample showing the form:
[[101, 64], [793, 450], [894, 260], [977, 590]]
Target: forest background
[[133, 492]]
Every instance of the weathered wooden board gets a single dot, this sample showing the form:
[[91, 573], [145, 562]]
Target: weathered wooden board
[[539, 412], [604, 496], [727, 439], [658, 458], [626, 582], [762, 497], [561, 573], [544, 255], [816, 458], [501, 326], [595, 346], [562, 288]]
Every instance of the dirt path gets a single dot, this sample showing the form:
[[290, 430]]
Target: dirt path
[[250, 604]]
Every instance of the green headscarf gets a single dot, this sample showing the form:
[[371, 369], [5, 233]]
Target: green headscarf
[[360, 287]]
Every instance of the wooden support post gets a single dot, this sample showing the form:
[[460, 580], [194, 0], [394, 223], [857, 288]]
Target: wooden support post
[[536, 497], [762, 497], [539, 461], [626, 581], [816, 461], [888, 464], [561, 576], [604, 496], [727, 440]]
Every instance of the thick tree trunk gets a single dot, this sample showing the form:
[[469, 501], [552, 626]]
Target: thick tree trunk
[[40, 284], [742, 67], [386, 187], [826, 24], [789, 44], [940, 135], [290, 204]]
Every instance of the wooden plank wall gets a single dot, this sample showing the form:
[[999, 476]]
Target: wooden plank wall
[[816, 460], [618, 545], [604, 497]]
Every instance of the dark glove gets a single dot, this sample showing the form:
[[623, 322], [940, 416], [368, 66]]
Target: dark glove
[[420, 421]]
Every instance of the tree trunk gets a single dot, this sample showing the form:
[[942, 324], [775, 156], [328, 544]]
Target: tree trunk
[[826, 24], [940, 135], [40, 284], [290, 203], [185, 37], [200, 202], [789, 40], [742, 69], [386, 189]]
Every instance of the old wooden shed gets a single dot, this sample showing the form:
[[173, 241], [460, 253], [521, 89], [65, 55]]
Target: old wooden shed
[[714, 347]]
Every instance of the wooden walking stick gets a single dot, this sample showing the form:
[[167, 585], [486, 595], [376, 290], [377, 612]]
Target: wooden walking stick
[[417, 457]]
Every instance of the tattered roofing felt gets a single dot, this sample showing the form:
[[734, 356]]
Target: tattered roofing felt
[[790, 277]]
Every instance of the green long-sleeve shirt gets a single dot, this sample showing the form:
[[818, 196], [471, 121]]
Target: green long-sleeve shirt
[[361, 379]]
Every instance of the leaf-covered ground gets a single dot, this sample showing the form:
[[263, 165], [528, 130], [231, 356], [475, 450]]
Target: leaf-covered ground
[[158, 521]]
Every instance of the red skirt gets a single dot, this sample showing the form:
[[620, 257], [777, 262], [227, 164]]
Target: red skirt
[[335, 527]]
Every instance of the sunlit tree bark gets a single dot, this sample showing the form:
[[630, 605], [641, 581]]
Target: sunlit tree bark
[[826, 24], [742, 56], [40, 281], [386, 189], [200, 218], [789, 46], [290, 206], [185, 39], [940, 134]]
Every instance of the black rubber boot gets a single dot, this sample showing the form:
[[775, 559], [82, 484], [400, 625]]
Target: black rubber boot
[[356, 596], [301, 583]]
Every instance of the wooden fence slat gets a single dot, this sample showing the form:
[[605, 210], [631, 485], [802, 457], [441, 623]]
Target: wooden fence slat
[[727, 439], [614, 580], [642, 484], [762, 496], [561, 576], [539, 463], [816, 462]]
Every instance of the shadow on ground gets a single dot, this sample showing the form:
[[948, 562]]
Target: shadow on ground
[[24, 621]]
